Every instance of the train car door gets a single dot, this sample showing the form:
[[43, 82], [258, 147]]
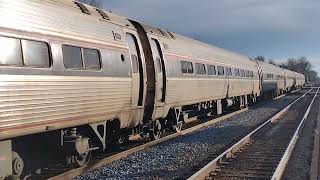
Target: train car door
[[159, 65], [137, 80], [159, 76]]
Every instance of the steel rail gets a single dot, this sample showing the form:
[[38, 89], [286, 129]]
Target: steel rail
[[213, 165], [284, 160], [314, 169]]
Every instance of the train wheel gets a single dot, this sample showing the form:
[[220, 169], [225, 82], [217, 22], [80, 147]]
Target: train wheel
[[17, 165], [122, 139], [83, 159], [178, 127], [156, 132]]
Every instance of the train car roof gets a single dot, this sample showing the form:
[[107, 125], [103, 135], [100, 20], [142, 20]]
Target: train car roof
[[299, 75], [269, 68], [288, 72], [70, 19], [63, 18], [185, 46]]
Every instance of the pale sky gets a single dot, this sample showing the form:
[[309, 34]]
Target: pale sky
[[276, 29]]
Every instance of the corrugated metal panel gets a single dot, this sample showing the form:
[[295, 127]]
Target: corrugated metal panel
[[189, 47], [240, 87], [181, 90], [59, 18], [34, 99]]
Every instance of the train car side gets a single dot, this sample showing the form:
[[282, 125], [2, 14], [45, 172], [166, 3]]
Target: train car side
[[65, 70], [75, 78], [222, 77]]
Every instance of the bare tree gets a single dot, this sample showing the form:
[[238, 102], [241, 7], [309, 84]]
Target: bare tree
[[312, 76], [260, 58], [301, 65], [271, 61]]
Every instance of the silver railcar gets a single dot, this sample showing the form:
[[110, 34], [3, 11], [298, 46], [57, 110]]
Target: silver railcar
[[74, 78]]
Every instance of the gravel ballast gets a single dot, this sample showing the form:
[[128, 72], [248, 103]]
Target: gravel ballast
[[179, 157]]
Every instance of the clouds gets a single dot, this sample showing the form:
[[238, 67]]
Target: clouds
[[274, 28], [220, 16]]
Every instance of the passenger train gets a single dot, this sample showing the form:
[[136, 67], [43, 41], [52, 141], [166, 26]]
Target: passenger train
[[74, 79]]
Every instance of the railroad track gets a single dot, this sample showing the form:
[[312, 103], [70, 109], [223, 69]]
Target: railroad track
[[263, 153], [67, 172]]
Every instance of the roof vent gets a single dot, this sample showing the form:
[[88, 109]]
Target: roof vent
[[162, 32], [83, 8], [172, 36], [103, 14]]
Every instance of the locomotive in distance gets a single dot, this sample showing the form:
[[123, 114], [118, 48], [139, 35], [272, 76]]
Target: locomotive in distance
[[75, 78]]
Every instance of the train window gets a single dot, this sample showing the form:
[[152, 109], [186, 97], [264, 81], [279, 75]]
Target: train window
[[251, 74], [103, 14], [35, 53], [200, 69], [228, 71], [91, 58], [270, 76], [247, 73], [159, 65], [203, 69], [72, 57], [220, 70], [242, 73], [10, 51], [190, 67], [184, 68], [134, 60], [83, 8], [237, 72], [211, 70]]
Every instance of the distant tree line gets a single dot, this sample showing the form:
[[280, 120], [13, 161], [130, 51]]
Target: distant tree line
[[300, 65]]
